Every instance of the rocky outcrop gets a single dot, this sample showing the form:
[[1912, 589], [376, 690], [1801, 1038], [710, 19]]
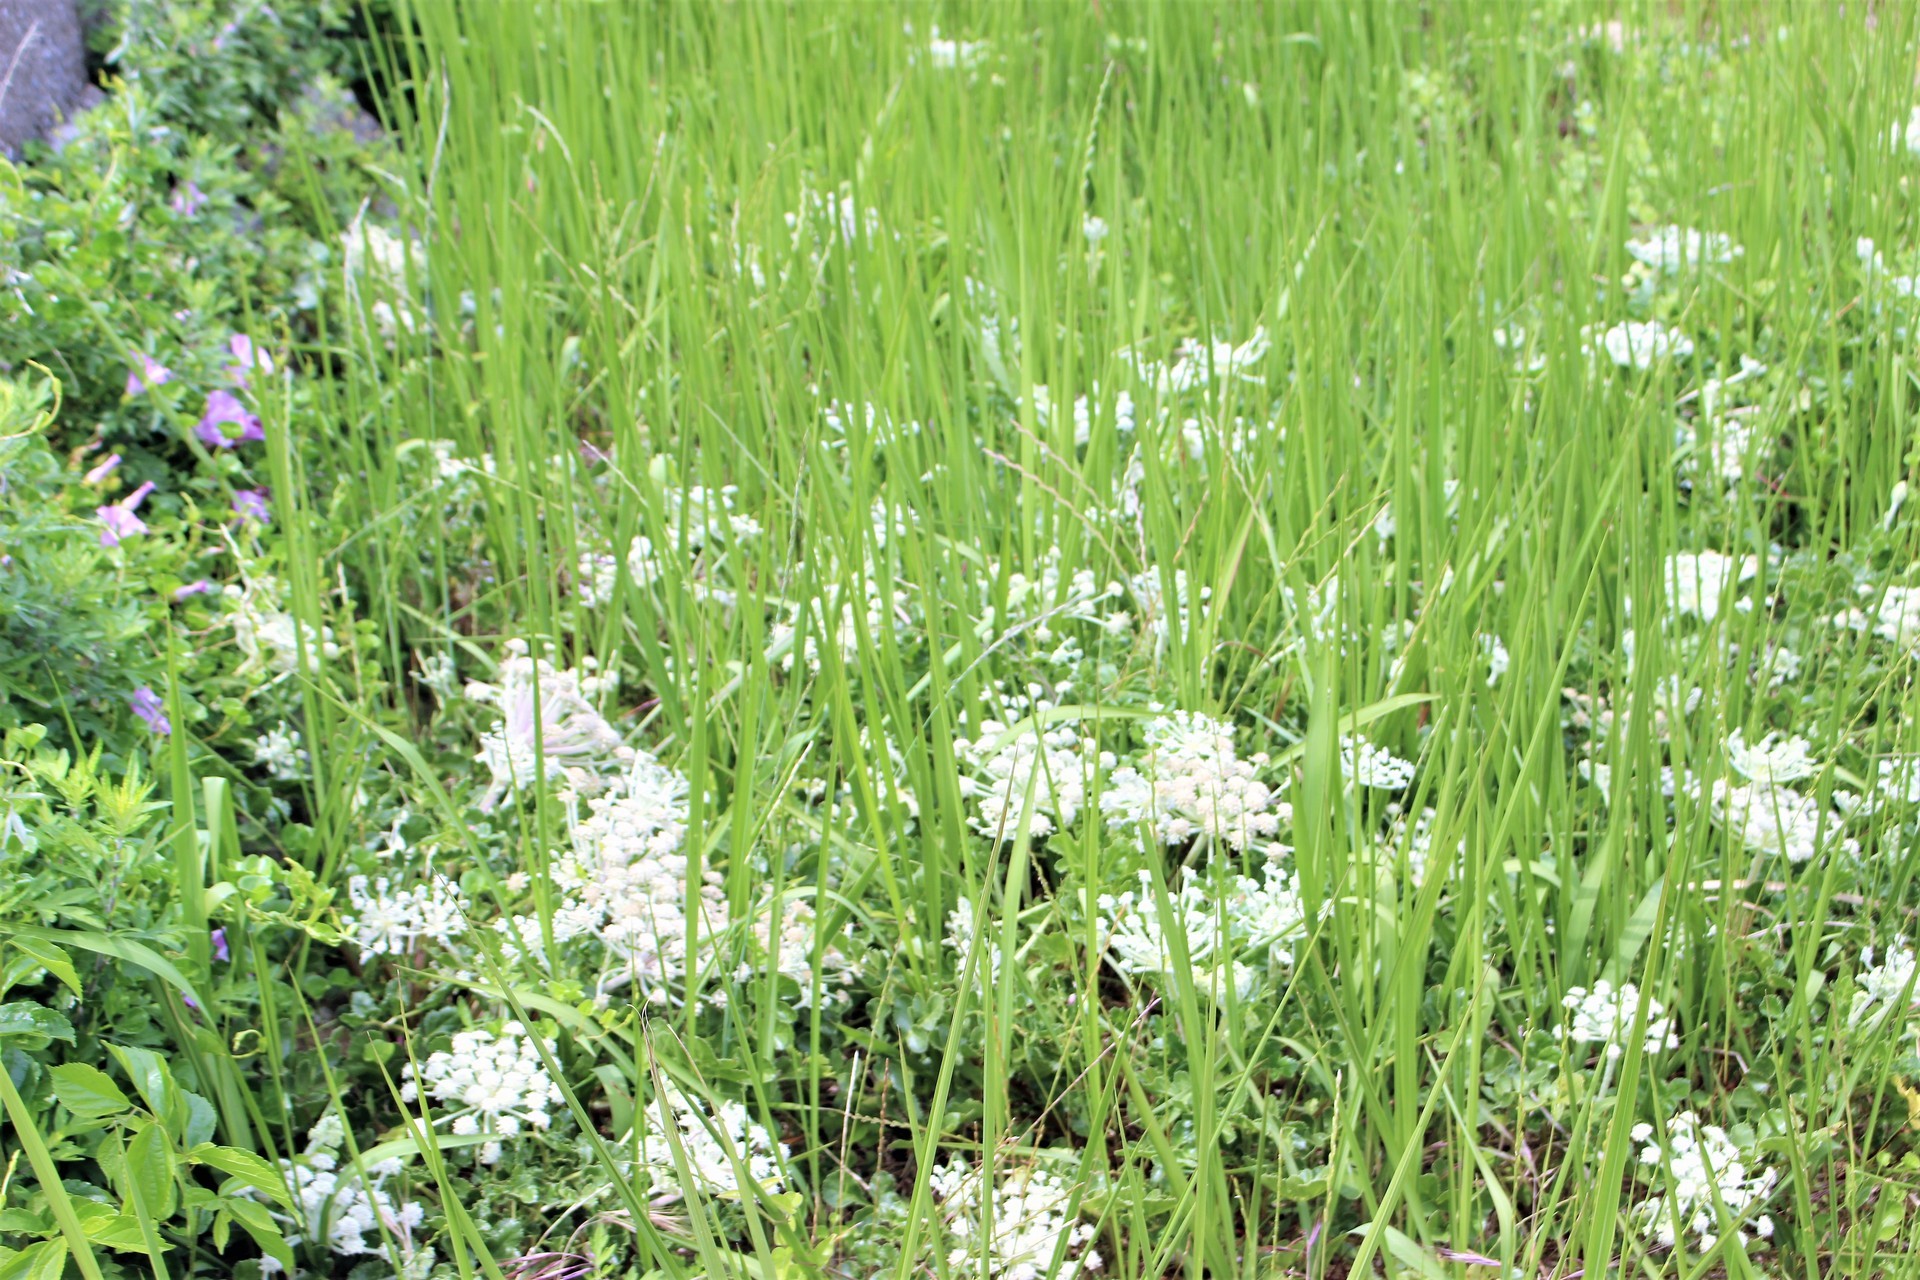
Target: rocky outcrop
[[43, 68]]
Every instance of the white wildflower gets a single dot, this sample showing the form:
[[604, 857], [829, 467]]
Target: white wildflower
[[1498, 659], [346, 1212], [1191, 784], [719, 1144], [1704, 1164], [489, 1083], [546, 721], [1775, 820], [1907, 135], [1896, 618], [948, 54], [1772, 760], [624, 881], [1366, 765], [1225, 919], [1697, 582], [1888, 988], [1032, 777], [280, 752], [385, 921], [1196, 364], [1642, 345], [1604, 1016], [1674, 249], [1017, 1230]]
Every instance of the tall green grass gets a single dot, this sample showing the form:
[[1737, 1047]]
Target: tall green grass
[[1381, 187]]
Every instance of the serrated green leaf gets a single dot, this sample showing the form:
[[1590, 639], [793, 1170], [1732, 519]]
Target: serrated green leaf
[[32, 1026], [150, 1174], [153, 1079], [87, 1091]]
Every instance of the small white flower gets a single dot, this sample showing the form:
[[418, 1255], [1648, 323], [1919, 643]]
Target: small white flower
[[1887, 989], [1907, 135], [1697, 582], [719, 1144], [1700, 1163], [1015, 1230], [1366, 765], [1642, 345], [1772, 760], [1605, 1016], [1673, 249]]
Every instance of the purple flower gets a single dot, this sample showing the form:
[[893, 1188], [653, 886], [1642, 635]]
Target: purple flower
[[187, 200], [102, 471], [147, 705], [251, 504], [119, 517], [220, 951], [191, 590], [246, 359], [224, 408], [151, 373]]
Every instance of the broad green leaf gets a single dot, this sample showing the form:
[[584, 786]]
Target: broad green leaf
[[42, 1261], [87, 1091], [51, 958], [259, 1224], [150, 1174], [32, 1026], [201, 1119], [121, 1231], [134, 953], [244, 1167], [154, 1081]]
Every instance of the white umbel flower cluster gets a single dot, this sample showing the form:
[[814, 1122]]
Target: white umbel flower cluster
[[1697, 581], [1197, 364], [1226, 920], [1366, 765], [1895, 618], [1605, 1016], [385, 921], [493, 1084], [1643, 344], [1705, 1162], [336, 1206], [1037, 777], [280, 752], [624, 882], [1773, 760], [719, 1144], [1888, 991], [1027, 1224], [1776, 820], [547, 721], [1192, 785], [1673, 249]]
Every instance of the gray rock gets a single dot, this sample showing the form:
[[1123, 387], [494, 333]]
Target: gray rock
[[43, 68]]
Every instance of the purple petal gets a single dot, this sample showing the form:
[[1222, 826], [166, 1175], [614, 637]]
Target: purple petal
[[147, 705], [187, 200], [251, 504], [102, 471], [200, 588], [224, 409], [150, 373], [220, 951], [246, 359], [118, 518]]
